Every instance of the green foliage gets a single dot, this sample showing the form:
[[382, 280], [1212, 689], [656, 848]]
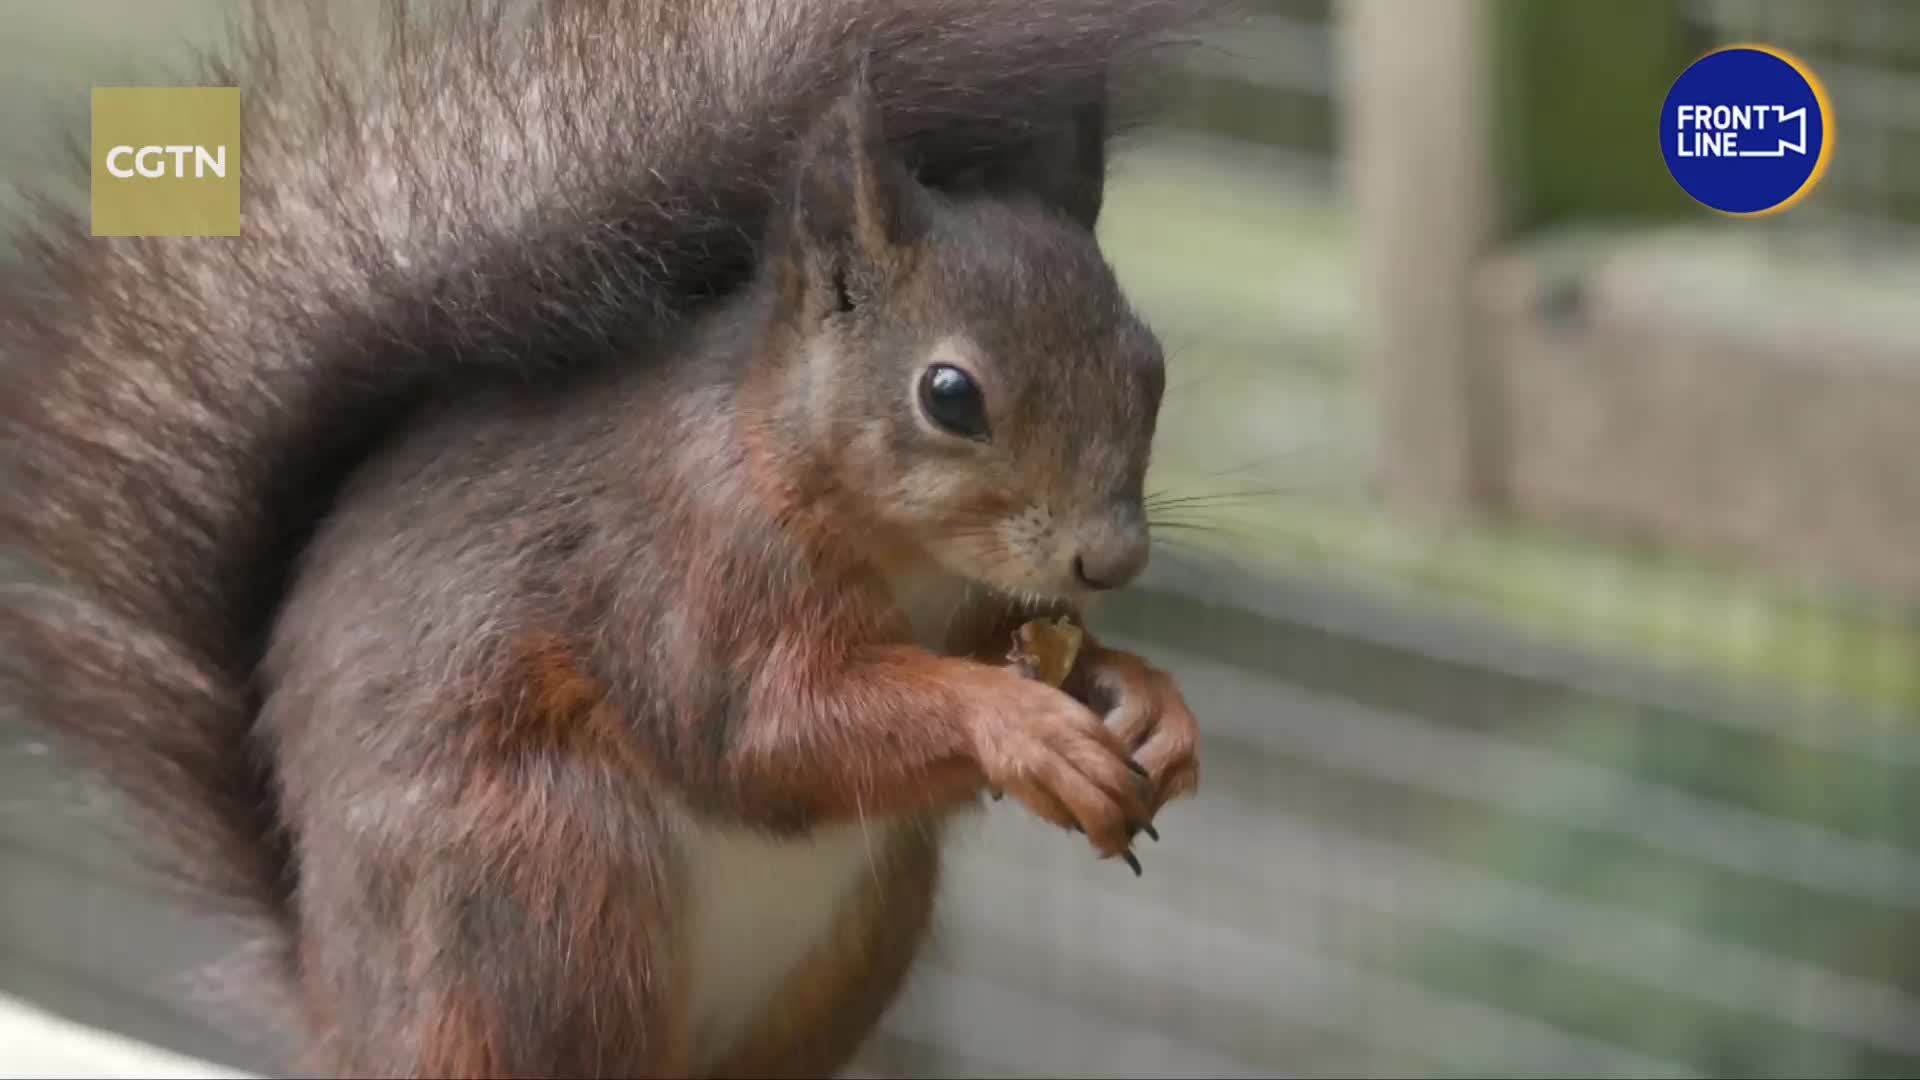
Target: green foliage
[[1578, 86]]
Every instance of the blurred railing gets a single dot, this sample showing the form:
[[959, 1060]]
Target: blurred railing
[[1867, 53]]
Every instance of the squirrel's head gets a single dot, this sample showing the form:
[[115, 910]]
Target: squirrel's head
[[964, 367]]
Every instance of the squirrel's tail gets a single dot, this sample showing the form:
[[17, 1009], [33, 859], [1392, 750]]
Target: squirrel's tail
[[466, 191], [170, 731]]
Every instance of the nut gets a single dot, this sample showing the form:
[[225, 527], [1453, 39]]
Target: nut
[[1046, 649]]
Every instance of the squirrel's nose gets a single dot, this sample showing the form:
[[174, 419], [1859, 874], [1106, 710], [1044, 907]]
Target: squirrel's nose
[[1113, 554]]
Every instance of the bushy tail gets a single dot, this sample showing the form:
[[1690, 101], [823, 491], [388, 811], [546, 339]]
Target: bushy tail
[[463, 191], [169, 728]]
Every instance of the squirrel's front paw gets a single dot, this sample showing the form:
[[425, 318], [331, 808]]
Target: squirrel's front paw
[[1144, 708], [1058, 757]]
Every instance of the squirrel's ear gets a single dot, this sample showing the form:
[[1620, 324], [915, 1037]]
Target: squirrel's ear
[[1063, 164], [855, 207]]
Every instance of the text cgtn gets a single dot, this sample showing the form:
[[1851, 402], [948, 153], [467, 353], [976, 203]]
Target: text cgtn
[[154, 162]]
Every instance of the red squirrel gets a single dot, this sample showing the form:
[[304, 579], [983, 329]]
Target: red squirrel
[[552, 574]]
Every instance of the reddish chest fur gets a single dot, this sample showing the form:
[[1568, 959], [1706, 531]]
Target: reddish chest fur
[[765, 911], [768, 927]]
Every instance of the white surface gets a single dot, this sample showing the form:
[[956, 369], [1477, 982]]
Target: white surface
[[34, 1043]]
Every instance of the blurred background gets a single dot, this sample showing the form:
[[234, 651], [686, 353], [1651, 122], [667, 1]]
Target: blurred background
[[1540, 552]]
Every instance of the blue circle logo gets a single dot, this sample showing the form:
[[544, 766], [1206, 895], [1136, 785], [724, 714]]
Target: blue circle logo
[[1745, 130]]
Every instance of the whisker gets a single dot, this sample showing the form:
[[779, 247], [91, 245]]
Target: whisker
[[1181, 523], [1190, 526], [1213, 529], [1221, 497], [1189, 489], [1231, 470], [1209, 560]]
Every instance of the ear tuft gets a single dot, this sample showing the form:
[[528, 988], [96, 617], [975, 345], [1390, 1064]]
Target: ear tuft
[[855, 207]]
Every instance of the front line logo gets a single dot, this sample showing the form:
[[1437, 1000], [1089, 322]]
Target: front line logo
[[1714, 130], [1746, 130]]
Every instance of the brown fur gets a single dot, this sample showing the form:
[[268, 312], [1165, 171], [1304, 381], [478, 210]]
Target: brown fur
[[520, 934], [434, 561], [739, 657]]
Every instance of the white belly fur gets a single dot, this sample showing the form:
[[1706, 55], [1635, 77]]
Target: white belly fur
[[759, 904]]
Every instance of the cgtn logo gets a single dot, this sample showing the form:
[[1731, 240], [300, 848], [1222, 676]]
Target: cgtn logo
[[151, 161], [1745, 130], [166, 161]]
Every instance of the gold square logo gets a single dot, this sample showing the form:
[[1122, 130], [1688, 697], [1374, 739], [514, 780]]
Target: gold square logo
[[166, 161]]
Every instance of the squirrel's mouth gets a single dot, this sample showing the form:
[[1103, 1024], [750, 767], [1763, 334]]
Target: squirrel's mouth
[[1042, 604]]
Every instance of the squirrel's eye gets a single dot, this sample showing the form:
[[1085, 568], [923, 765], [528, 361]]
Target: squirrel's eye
[[952, 400]]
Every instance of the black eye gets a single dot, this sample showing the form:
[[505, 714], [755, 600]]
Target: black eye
[[952, 400]]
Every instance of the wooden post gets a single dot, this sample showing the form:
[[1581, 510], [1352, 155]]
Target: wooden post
[[1419, 166]]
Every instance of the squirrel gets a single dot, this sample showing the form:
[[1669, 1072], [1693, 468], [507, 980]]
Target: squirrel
[[550, 575]]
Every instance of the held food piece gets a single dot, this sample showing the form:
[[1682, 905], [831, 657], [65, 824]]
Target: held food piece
[[1046, 650]]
